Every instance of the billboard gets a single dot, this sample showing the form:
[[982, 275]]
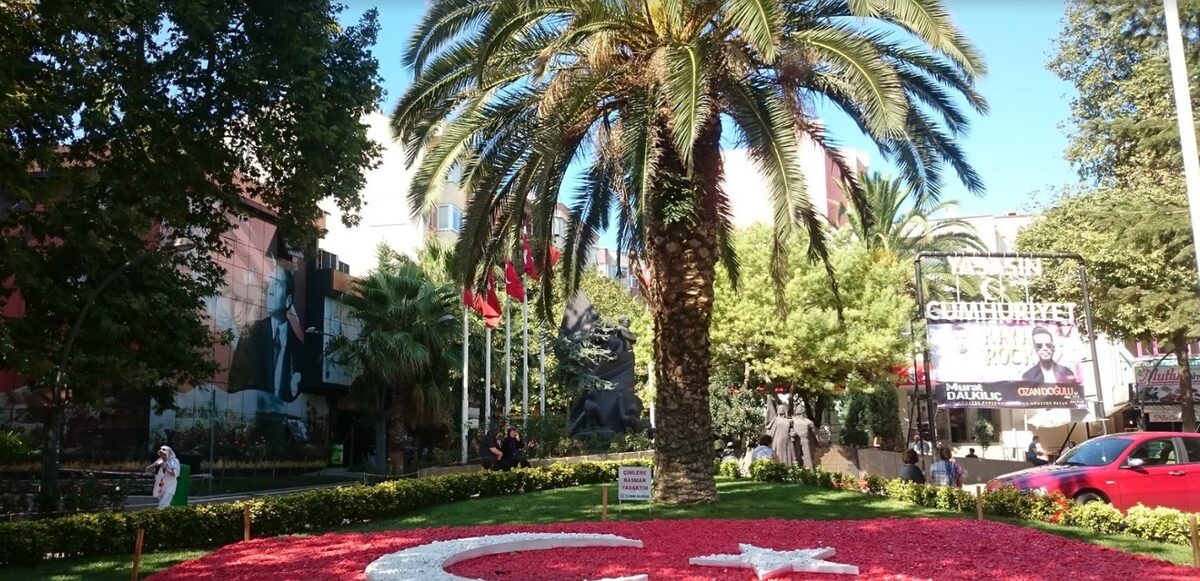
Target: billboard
[[1007, 362], [1157, 381]]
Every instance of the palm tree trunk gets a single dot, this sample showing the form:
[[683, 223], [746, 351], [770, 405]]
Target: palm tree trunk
[[683, 255], [396, 435]]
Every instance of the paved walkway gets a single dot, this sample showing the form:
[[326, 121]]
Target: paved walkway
[[143, 502]]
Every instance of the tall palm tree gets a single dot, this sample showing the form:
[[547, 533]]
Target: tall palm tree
[[509, 94], [406, 349], [901, 220]]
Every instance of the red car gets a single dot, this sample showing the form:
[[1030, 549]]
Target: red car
[[1153, 468]]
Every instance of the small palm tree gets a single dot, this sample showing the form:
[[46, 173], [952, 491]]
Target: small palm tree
[[406, 350], [509, 94]]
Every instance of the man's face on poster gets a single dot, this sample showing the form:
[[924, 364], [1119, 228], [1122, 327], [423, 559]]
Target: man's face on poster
[[1043, 344], [278, 296], [962, 339]]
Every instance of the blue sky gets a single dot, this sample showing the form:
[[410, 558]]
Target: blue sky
[[1017, 149]]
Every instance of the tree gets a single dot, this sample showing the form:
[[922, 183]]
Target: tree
[[1141, 277], [806, 350], [883, 415], [983, 432], [1115, 54], [406, 350], [637, 92], [122, 124]]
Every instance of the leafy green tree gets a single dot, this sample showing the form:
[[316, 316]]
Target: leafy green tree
[[1142, 276], [738, 413], [513, 92], [883, 415], [855, 420], [123, 123], [806, 349], [407, 348], [983, 431], [1123, 115]]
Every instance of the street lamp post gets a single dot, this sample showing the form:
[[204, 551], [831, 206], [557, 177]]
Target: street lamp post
[[60, 396]]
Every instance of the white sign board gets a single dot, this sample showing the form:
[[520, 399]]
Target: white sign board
[[1166, 416], [634, 483]]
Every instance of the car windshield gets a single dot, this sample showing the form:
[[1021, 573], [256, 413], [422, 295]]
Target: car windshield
[[1098, 452]]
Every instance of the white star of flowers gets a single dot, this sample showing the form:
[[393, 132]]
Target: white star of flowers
[[768, 563]]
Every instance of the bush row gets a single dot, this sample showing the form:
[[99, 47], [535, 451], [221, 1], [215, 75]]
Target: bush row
[[202, 526], [1155, 524]]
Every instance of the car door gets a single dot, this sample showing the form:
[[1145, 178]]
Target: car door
[[1191, 469], [1157, 479]]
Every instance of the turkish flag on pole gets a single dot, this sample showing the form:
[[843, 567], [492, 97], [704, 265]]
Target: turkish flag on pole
[[530, 266], [472, 300], [512, 282], [554, 255], [491, 309]]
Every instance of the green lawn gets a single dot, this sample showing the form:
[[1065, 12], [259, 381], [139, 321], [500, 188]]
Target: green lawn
[[739, 499]]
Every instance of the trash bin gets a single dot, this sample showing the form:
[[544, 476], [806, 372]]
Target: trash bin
[[335, 455], [183, 487]]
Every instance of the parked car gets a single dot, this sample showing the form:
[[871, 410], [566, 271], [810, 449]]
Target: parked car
[[1153, 468]]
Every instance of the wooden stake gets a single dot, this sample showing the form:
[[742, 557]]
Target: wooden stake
[[246, 523], [1195, 541], [978, 505], [137, 553], [604, 504]]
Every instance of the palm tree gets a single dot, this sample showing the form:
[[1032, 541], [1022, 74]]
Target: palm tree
[[509, 94], [406, 349], [899, 220]]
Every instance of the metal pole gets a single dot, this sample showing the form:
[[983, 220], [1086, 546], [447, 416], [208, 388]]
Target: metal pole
[[1183, 110], [212, 440], [465, 370], [541, 373], [507, 357], [931, 406], [525, 365], [487, 380], [1087, 315]]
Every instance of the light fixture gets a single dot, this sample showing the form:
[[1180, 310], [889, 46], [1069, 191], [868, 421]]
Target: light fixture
[[180, 244]]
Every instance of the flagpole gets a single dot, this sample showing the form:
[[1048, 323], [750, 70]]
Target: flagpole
[[542, 371], [487, 380], [525, 365], [507, 357], [465, 370]]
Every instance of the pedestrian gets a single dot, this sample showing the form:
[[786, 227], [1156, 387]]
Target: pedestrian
[[919, 445], [513, 451], [944, 472], [971, 453], [1036, 454], [764, 450], [910, 472], [166, 476]]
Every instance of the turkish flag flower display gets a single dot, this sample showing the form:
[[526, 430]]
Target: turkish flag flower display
[[890, 548]]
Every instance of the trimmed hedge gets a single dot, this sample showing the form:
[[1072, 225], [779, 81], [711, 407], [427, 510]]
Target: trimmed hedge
[[203, 526], [1165, 525]]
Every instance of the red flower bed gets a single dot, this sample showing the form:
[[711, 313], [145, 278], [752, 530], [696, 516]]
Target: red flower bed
[[881, 549]]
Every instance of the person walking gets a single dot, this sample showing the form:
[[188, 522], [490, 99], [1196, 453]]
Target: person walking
[[944, 472], [166, 476]]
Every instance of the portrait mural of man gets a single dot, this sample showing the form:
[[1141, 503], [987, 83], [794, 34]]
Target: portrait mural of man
[[1047, 370], [268, 350]]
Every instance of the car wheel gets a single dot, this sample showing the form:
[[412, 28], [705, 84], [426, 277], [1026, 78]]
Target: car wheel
[[1086, 497]]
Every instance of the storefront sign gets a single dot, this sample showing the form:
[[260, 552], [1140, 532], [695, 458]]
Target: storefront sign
[[1008, 394], [1157, 381], [1176, 416], [634, 483]]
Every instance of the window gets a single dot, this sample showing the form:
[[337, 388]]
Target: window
[[1192, 445], [449, 218], [1158, 452]]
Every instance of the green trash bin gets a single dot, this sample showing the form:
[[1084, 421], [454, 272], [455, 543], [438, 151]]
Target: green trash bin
[[183, 487], [336, 455]]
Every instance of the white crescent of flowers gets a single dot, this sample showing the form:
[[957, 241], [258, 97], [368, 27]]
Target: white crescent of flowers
[[428, 562]]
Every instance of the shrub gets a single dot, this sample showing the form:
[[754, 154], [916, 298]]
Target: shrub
[[1098, 517], [876, 485], [1006, 501], [729, 470], [201, 526], [768, 471], [1048, 508], [1158, 524]]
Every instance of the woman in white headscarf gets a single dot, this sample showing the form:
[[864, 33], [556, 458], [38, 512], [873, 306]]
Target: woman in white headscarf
[[166, 476]]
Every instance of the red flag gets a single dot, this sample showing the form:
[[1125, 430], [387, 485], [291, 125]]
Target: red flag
[[491, 309], [554, 255], [530, 266], [512, 282], [472, 300]]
